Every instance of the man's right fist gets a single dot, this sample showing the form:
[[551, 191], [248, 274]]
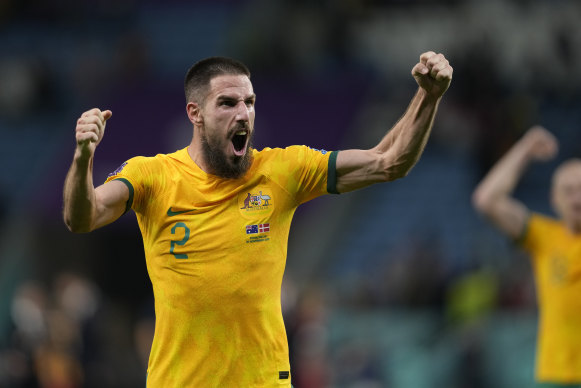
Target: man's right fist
[[91, 128]]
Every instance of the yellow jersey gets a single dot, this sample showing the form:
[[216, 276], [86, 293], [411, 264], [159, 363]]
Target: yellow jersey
[[556, 258], [215, 251]]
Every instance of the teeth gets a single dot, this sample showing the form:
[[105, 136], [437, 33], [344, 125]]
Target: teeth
[[241, 133]]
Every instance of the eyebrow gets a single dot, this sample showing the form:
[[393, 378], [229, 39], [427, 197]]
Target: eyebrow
[[231, 98]]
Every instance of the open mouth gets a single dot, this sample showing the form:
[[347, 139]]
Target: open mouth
[[239, 142]]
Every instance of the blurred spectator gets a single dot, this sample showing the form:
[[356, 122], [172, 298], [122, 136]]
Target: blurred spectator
[[27, 85], [58, 339], [306, 327]]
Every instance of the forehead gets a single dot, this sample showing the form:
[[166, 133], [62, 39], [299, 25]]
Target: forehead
[[237, 86], [567, 174]]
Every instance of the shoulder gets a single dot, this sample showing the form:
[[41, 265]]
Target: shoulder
[[542, 220], [539, 227], [159, 159], [140, 166], [296, 151]]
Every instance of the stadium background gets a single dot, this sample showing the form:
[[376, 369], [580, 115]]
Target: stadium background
[[398, 285]]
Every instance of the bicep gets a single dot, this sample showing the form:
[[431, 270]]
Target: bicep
[[359, 168], [111, 200]]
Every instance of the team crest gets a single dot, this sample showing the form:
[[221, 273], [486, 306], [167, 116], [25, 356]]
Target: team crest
[[319, 150], [258, 202], [118, 170], [559, 269]]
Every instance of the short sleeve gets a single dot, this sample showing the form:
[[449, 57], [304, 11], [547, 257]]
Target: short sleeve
[[305, 172], [537, 231], [133, 173]]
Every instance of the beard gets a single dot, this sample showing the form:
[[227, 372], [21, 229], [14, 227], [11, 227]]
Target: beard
[[219, 163]]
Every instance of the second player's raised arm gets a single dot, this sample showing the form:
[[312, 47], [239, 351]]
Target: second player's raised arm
[[402, 146], [493, 197]]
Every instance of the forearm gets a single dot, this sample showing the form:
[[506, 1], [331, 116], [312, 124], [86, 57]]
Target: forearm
[[503, 178], [79, 195], [403, 145]]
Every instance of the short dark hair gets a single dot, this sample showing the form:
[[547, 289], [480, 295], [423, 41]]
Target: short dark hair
[[201, 73]]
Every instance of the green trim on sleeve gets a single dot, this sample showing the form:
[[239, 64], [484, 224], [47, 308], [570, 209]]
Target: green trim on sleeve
[[131, 191], [332, 173]]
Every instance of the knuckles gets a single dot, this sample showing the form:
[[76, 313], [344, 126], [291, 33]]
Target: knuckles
[[437, 65]]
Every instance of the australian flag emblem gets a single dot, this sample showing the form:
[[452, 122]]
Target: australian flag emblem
[[251, 229], [255, 229]]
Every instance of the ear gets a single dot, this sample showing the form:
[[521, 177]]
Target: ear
[[194, 113]]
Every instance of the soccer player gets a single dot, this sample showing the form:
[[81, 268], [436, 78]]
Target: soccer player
[[554, 246], [215, 219]]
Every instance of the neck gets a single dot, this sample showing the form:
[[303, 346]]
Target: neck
[[196, 153], [197, 157], [573, 227]]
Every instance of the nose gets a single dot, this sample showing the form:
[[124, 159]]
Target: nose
[[243, 112]]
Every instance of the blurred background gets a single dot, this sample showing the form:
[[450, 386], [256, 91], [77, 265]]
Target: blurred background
[[398, 285]]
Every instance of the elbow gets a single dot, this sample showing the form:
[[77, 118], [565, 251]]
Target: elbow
[[78, 230], [395, 174], [394, 170], [404, 170], [481, 201], [76, 227]]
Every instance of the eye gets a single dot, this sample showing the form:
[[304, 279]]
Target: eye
[[228, 103]]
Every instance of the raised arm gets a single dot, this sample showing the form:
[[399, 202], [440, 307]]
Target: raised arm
[[86, 208], [402, 146], [493, 195]]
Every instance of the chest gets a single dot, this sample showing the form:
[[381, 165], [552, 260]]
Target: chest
[[559, 263], [191, 221]]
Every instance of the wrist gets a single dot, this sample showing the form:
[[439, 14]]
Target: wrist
[[428, 97], [521, 155], [82, 156], [526, 148]]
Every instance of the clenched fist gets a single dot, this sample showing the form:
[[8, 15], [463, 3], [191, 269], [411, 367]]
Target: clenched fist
[[540, 144], [433, 73], [90, 130]]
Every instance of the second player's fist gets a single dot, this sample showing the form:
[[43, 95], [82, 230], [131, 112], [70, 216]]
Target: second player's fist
[[540, 143]]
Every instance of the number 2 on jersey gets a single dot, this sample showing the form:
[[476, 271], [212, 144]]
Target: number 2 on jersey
[[179, 242]]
